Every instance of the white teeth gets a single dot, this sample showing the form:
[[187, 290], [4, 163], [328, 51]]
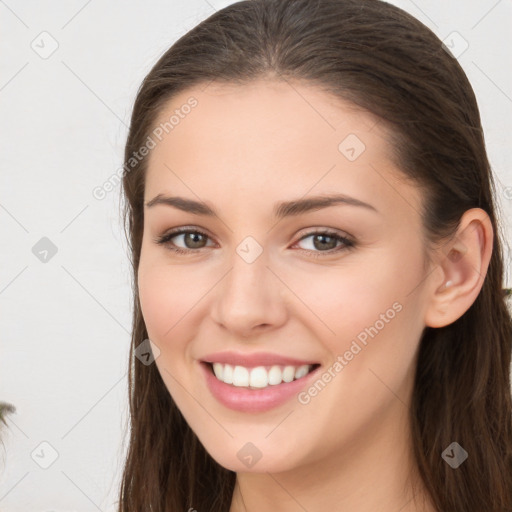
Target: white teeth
[[240, 376], [227, 376], [288, 373], [259, 376], [218, 369], [301, 371], [275, 375]]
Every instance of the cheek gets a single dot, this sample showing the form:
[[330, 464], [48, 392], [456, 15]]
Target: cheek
[[166, 296], [342, 301], [166, 304], [173, 301], [155, 302], [365, 304]]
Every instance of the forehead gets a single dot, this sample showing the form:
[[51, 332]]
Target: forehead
[[293, 136], [263, 109]]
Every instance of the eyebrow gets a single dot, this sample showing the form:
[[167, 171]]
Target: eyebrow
[[281, 210]]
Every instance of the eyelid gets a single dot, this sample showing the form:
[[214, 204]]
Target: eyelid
[[324, 229]]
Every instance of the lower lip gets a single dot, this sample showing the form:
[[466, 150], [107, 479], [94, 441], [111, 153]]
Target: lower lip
[[254, 400]]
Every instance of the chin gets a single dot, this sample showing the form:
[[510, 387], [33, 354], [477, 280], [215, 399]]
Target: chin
[[249, 459]]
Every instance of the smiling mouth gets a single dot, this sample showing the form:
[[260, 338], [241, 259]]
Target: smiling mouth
[[259, 377]]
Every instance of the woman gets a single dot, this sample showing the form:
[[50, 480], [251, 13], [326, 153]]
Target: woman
[[318, 265]]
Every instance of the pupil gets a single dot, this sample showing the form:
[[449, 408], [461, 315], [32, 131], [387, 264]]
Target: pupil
[[322, 239], [194, 237]]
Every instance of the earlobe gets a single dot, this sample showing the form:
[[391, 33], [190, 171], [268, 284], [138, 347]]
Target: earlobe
[[463, 262]]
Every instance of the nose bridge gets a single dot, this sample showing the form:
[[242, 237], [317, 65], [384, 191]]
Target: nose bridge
[[249, 294], [247, 281]]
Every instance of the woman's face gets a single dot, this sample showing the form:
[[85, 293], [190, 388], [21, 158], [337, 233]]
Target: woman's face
[[268, 279]]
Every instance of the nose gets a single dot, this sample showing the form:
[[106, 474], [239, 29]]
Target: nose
[[250, 299]]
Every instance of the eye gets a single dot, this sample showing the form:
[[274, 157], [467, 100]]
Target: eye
[[197, 238], [323, 239], [327, 239]]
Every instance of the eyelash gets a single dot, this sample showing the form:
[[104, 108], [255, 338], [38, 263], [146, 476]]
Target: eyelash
[[348, 244]]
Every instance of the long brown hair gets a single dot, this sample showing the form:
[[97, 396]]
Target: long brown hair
[[382, 59]]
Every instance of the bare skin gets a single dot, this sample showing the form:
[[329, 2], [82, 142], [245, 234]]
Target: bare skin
[[241, 150]]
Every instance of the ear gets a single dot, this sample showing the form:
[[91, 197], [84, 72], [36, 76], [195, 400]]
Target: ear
[[463, 263]]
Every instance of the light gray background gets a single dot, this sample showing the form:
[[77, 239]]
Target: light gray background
[[65, 323]]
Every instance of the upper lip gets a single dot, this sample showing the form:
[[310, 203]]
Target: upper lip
[[254, 359]]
